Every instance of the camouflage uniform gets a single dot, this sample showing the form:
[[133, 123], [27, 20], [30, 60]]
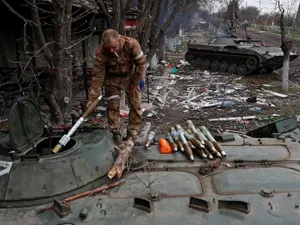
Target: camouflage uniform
[[119, 73]]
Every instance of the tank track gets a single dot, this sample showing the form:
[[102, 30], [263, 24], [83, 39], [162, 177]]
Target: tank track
[[232, 63]]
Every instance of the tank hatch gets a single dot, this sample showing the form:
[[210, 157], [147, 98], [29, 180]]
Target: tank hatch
[[25, 124], [38, 180]]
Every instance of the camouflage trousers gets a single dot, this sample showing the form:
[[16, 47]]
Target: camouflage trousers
[[113, 86]]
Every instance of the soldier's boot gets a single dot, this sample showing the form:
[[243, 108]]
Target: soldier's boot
[[131, 135], [137, 159], [117, 137]]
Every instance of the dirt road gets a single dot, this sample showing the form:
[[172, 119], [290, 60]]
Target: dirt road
[[271, 39]]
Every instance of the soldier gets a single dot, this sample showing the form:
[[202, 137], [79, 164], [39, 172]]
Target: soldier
[[119, 64]]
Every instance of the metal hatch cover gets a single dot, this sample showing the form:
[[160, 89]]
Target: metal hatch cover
[[25, 124], [166, 184], [253, 180]]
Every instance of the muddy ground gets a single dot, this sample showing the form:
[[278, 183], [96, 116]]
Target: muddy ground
[[215, 88]]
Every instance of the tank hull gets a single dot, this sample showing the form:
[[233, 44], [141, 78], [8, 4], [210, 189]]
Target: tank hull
[[260, 175], [235, 57]]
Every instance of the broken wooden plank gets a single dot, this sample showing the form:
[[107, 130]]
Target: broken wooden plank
[[233, 118], [276, 93]]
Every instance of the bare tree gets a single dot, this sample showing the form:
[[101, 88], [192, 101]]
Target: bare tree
[[286, 46], [297, 20], [231, 16], [120, 8], [165, 19], [249, 14], [53, 51]]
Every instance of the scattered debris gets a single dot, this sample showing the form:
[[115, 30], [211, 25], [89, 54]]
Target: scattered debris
[[276, 93], [227, 165], [233, 118], [84, 194]]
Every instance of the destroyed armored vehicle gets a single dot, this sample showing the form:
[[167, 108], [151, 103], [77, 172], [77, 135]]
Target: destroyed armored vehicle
[[257, 183], [235, 56]]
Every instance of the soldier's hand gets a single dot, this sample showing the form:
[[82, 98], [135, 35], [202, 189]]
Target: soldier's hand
[[88, 104], [135, 90]]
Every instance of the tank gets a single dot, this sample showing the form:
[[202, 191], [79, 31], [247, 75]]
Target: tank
[[257, 183], [235, 56]]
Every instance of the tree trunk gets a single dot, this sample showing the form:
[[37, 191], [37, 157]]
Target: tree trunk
[[116, 14], [286, 46], [104, 10], [285, 71], [62, 59], [179, 5], [297, 20], [162, 49], [142, 18]]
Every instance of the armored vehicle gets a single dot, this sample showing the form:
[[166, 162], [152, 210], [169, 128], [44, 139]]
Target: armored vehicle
[[235, 56], [257, 183]]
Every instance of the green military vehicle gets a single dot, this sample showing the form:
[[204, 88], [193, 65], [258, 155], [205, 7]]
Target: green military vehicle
[[257, 183], [235, 56]]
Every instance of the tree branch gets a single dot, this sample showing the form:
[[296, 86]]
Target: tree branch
[[101, 5], [179, 4], [39, 32], [17, 14], [127, 6], [141, 19], [42, 10]]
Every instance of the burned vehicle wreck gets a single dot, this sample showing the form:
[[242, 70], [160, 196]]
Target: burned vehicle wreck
[[235, 56]]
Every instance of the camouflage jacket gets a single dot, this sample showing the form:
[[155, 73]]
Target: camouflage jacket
[[129, 61]]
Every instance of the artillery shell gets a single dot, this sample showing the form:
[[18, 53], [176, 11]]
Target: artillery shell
[[149, 139], [200, 153], [191, 126], [206, 132], [187, 148], [193, 140], [188, 151], [211, 147], [197, 143], [188, 131], [209, 155], [174, 146], [179, 144], [219, 148], [191, 145], [175, 135], [201, 134], [195, 131], [172, 143]]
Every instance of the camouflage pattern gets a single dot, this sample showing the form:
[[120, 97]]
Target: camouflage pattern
[[119, 72], [113, 86]]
